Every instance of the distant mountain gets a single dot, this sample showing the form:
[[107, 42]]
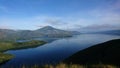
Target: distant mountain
[[112, 32], [46, 31], [99, 28], [49, 31], [6, 34], [105, 53]]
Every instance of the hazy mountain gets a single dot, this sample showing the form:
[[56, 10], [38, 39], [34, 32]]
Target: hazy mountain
[[6, 34], [112, 32], [53, 32], [99, 28], [46, 31]]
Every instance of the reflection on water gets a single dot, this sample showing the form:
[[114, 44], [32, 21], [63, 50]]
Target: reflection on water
[[57, 50]]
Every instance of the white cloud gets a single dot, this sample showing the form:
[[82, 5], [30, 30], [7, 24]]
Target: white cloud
[[3, 26], [109, 14], [97, 17]]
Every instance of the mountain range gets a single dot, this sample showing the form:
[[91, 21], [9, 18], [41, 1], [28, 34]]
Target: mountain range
[[46, 31], [111, 32]]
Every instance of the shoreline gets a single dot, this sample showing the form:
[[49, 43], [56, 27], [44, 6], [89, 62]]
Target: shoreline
[[5, 46]]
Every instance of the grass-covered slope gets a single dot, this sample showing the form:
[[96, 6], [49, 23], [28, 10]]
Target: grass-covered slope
[[18, 45], [4, 46], [105, 53], [5, 57]]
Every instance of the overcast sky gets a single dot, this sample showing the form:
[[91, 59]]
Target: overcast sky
[[64, 14]]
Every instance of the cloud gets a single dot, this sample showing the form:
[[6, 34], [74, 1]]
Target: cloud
[[55, 22], [50, 20], [115, 5], [4, 27], [42, 21], [66, 23], [105, 16]]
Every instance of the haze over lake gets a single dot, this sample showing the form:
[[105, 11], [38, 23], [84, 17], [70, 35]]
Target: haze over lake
[[57, 50]]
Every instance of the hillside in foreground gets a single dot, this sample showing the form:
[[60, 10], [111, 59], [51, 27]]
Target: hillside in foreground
[[105, 53]]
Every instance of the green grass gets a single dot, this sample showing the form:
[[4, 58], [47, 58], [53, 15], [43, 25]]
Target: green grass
[[5, 57], [62, 65], [4, 46]]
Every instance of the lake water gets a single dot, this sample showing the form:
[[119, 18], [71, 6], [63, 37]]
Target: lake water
[[57, 50]]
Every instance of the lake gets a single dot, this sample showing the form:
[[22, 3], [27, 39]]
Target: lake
[[56, 50]]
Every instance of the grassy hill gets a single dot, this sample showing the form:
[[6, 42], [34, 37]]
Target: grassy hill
[[105, 53], [4, 46], [5, 57]]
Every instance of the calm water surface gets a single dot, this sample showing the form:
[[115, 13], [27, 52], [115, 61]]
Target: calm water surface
[[57, 50]]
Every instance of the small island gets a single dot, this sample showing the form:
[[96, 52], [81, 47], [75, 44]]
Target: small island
[[10, 45]]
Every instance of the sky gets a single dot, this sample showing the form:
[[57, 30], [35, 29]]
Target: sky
[[63, 14]]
